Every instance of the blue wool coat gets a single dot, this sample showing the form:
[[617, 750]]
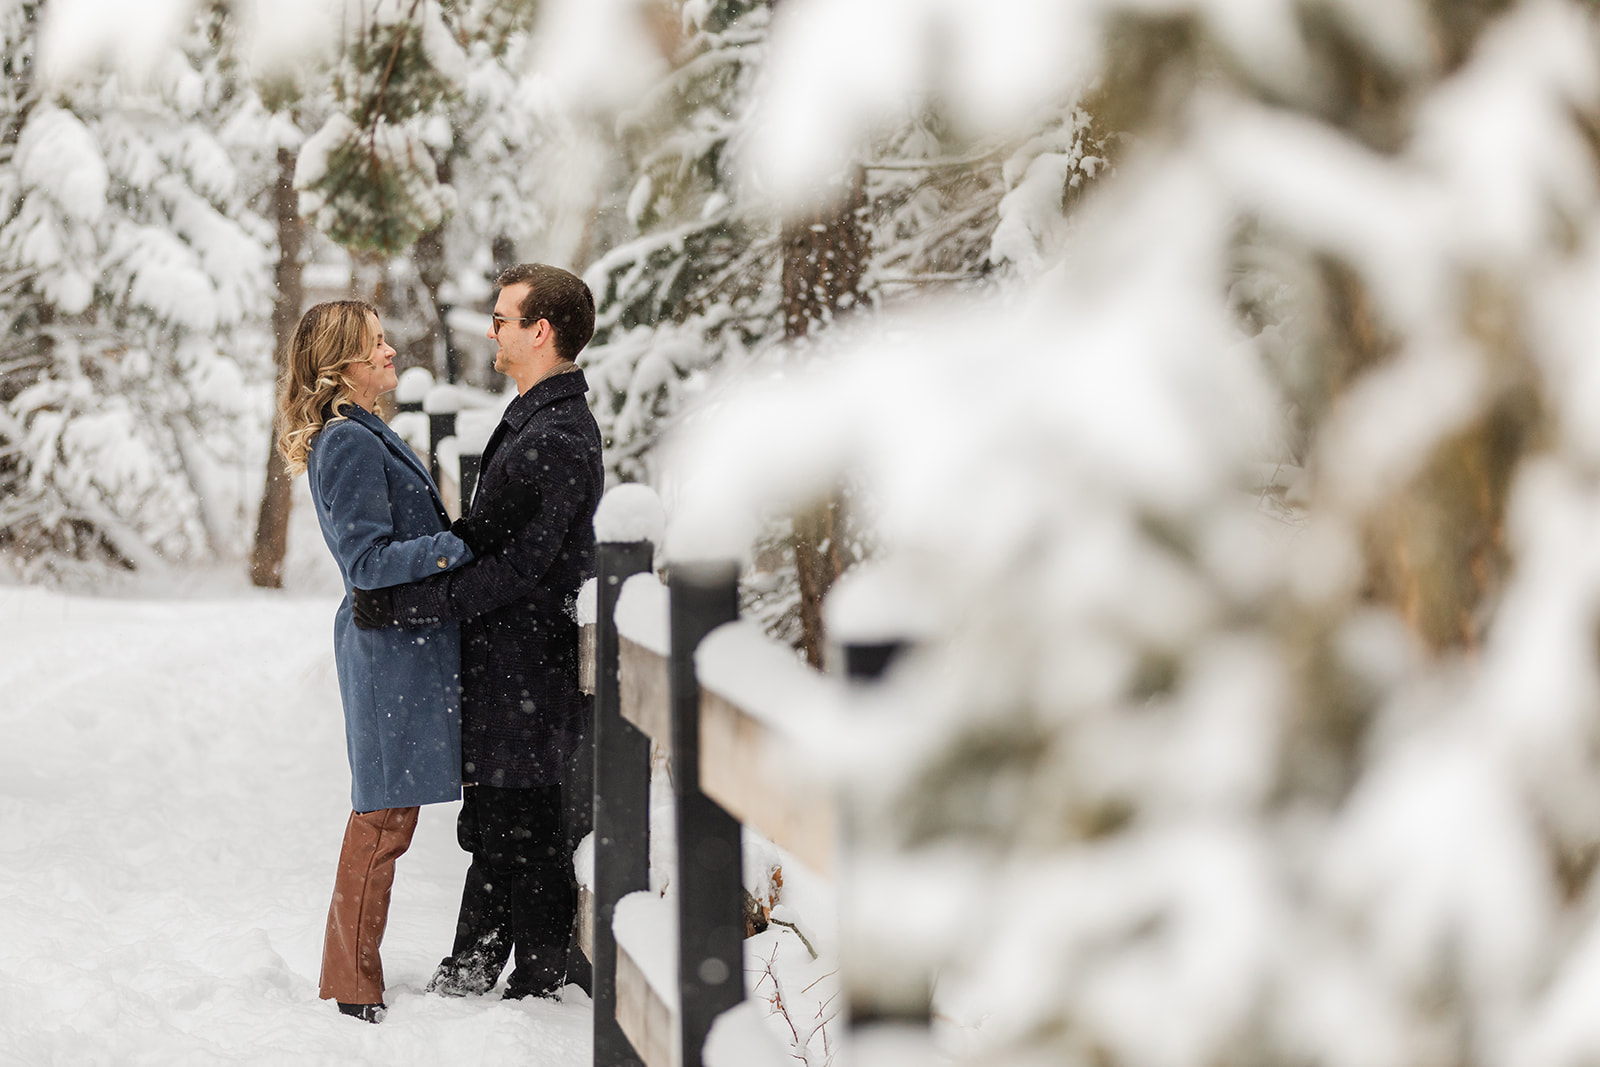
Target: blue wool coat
[[384, 522]]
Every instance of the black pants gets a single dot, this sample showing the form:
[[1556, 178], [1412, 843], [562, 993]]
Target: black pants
[[520, 897]]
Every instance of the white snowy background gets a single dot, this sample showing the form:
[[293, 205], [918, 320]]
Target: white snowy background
[[1111, 802], [173, 791]]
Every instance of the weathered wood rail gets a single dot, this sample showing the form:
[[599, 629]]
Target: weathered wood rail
[[671, 665]]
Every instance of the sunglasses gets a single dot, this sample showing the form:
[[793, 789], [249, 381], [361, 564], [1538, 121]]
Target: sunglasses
[[500, 320]]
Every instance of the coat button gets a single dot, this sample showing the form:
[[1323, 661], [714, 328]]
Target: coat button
[[443, 563]]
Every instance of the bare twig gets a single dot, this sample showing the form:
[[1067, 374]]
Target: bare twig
[[803, 940], [830, 974]]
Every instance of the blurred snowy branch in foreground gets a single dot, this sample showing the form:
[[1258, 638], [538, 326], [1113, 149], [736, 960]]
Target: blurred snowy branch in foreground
[[1260, 721]]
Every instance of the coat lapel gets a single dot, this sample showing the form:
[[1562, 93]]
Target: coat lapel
[[517, 414]]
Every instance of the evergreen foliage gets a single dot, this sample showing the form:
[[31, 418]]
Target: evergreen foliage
[[693, 281], [436, 163], [368, 177], [137, 279], [692, 289]]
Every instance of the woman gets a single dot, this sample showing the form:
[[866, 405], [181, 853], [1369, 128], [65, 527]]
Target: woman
[[384, 522]]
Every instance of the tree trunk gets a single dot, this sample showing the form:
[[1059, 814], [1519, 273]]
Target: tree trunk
[[272, 524], [819, 559], [824, 255], [428, 255]]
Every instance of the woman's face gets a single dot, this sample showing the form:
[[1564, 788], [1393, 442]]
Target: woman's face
[[374, 376]]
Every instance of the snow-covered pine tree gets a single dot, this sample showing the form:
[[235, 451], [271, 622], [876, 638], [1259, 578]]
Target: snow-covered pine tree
[[697, 276], [522, 181], [368, 177], [691, 279], [439, 105], [137, 285], [456, 84]]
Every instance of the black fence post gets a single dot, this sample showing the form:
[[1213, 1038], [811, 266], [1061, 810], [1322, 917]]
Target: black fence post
[[621, 797], [704, 595], [911, 1004], [471, 466], [452, 370], [866, 661], [441, 424]]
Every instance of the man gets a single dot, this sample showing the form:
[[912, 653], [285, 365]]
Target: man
[[522, 715]]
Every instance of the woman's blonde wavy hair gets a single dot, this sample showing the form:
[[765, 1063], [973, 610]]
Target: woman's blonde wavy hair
[[329, 339]]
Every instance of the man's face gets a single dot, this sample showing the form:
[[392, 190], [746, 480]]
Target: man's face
[[515, 340]]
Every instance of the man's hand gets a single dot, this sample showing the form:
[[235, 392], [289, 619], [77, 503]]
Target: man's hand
[[374, 608], [498, 519]]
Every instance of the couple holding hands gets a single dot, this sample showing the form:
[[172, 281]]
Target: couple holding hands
[[456, 646]]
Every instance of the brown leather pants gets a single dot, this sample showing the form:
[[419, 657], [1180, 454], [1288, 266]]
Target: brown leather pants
[[352, 973]]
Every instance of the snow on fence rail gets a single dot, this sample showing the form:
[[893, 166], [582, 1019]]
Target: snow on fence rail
[[753, 694], [670, 664]]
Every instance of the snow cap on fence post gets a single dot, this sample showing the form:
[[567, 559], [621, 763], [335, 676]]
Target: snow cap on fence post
[[444, 399], [630, 513], [703, 534], [872, 614], [413, 388], [474, 427]]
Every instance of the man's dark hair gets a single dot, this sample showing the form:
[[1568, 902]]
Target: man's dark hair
[[559, 296]]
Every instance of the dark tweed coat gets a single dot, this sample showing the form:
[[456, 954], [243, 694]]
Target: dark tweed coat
[[522, 714]]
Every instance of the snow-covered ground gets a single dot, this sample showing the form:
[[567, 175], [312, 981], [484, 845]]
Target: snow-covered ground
[[173, 790]]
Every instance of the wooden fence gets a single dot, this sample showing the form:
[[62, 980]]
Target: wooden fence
[[673, 666]]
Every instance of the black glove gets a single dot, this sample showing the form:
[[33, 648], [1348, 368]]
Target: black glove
[[374, 608], [497, 519]]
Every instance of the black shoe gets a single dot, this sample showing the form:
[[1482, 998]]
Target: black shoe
[[543, 993], [367, 1013], [539, 984], [450, 979]]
